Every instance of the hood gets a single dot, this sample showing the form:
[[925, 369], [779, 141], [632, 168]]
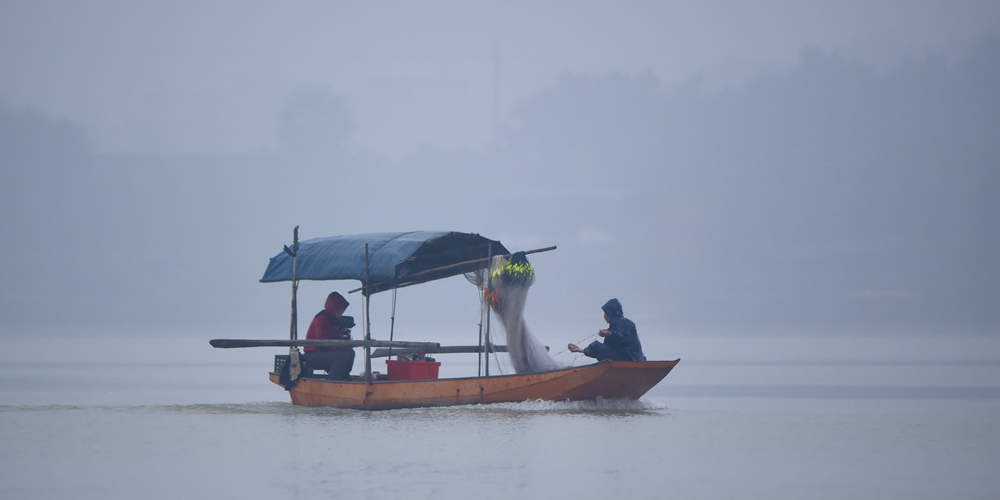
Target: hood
[[613, 308], [336, 304]]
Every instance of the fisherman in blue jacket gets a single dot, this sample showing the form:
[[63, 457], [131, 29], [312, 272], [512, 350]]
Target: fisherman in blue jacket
[[621, 342]]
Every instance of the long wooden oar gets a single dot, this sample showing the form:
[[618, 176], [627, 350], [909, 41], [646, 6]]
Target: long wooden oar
[[445, 349], [231, 343]]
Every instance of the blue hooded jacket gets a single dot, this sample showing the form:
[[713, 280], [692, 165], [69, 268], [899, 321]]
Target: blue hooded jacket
[[623, 342]]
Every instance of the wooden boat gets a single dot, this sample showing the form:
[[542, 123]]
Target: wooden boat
[[388, 261], [607, 379]]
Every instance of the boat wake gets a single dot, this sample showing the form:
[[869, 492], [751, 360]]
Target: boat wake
[[596, 405]]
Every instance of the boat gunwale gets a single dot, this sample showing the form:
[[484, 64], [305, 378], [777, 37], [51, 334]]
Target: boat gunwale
[[611, 363]]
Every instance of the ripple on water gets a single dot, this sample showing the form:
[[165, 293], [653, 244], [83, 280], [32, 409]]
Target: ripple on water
[[589, 407]]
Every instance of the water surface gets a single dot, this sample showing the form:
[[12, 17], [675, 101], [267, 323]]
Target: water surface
[[810, 424]]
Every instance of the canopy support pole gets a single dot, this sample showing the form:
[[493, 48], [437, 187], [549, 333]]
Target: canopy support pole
[[489, 286], [368, 323], [293, 329], [482, 302], [295, 364]]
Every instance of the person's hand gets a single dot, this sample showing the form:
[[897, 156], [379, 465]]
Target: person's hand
[[574, 348], [604, 333]]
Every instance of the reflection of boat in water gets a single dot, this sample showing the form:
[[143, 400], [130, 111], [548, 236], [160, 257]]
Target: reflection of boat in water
[[387, 261]]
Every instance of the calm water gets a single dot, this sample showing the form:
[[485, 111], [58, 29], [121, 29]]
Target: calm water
[[846, 417]]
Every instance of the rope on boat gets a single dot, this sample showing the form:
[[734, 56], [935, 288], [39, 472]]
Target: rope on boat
[[496, 357], [392, 319], [584, 340], [576, 356]]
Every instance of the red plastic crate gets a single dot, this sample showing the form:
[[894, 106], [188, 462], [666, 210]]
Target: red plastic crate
[[412, 370]]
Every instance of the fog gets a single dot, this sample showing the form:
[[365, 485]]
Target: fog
[[825, 171]]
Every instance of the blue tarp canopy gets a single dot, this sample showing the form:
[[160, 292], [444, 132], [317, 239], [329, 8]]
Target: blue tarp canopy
[[395, 259]]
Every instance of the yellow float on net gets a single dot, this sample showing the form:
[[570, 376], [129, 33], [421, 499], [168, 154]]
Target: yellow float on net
[[513, 273]]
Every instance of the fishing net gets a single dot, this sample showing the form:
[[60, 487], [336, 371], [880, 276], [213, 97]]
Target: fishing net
[[506, 291]]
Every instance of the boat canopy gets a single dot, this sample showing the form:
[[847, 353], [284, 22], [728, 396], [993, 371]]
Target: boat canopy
[[395, 259]]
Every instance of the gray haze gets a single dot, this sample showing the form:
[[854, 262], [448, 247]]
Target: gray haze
[[814, 168]]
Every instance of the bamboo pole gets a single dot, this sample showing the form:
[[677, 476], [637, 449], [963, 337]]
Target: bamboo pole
[[489, 285], [293, 329], [473, 261], [457, 264], [404, 344], [450, 349], [295, 364], [368, 322]]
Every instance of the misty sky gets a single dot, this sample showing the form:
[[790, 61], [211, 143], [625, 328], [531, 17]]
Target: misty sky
[[213, 76], [819, 166]]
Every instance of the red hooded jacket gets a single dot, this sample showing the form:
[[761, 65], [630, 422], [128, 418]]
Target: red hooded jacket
[[324, 324]]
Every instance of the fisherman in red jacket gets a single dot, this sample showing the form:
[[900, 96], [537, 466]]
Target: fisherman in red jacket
[[336, 361]]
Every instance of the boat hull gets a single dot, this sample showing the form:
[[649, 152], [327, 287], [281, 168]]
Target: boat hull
[[606, 379]]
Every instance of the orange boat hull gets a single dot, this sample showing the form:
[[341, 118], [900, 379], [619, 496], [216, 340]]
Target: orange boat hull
[[606, 379]]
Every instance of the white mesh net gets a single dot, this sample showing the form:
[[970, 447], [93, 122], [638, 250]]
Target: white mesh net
[[507, 294]]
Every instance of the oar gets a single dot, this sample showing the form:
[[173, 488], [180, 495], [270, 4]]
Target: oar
[[445, 349], [231, 343]]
